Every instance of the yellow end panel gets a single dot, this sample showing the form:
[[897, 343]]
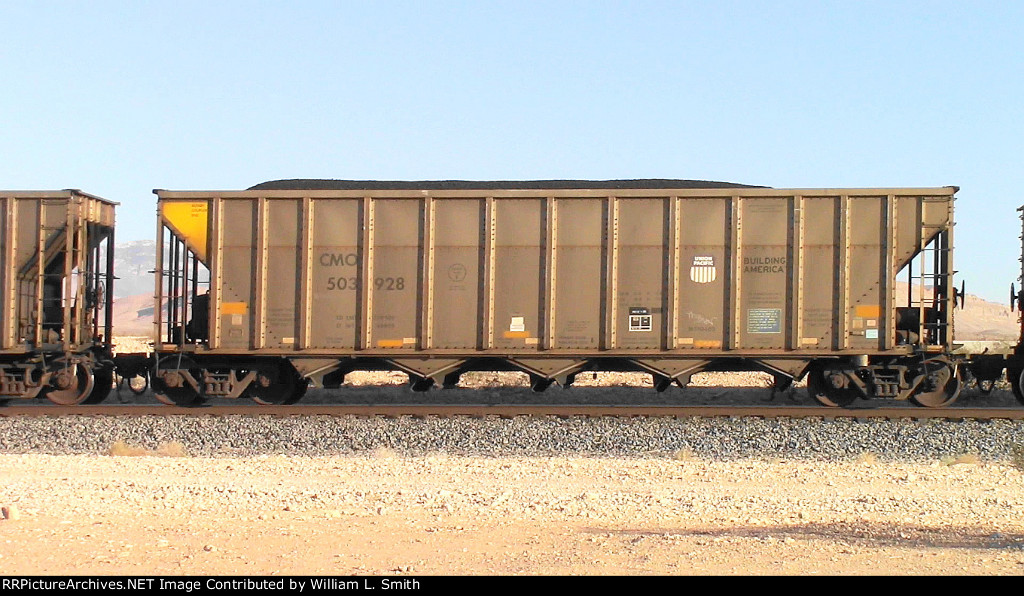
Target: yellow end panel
[[190, 220]]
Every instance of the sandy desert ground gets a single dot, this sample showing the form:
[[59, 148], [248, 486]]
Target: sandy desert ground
[[383, 514]]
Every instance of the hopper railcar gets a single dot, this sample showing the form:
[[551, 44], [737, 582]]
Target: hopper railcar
[[56, 296], [986, 360], [1013, 359], [259, 291]]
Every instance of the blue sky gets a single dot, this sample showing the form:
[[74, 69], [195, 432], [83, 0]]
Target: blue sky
[[118, 98]]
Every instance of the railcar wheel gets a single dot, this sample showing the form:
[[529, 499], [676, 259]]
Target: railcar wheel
[[183, 396], [173, 389], [825, 392], [70, 386], [1013, 375], [277, 387], [941, 387], [103, 382]]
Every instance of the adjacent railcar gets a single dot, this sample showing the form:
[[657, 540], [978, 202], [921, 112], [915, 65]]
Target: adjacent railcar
[[987, 360], [56, 295], [260, 290], [1014, 358]]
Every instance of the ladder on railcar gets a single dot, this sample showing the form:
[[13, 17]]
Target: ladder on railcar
[[935, 328]]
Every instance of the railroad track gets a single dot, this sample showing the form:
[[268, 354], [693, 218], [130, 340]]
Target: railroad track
[[510, 411]]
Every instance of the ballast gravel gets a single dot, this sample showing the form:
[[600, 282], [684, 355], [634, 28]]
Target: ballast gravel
[[714, 438]]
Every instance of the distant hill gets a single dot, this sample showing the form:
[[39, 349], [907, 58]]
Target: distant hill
[[979, 319], [127, 321], [133, 265]]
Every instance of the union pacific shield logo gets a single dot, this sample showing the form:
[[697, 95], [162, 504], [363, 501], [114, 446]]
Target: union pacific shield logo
[[703, 270]]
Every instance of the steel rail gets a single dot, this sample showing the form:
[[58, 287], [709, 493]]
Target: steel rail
[[511, 411]]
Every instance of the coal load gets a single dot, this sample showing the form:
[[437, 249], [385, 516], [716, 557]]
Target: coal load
[[655, 183]]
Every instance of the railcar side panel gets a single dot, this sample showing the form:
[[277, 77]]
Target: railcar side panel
[[819, 274], [395, 284], [31, 219], [762, 272], [579, 273], [237, 276], [337, 268], [458, 274], [283, 241], [704, 230], [519, 272], [642, 254], [866, 278]]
